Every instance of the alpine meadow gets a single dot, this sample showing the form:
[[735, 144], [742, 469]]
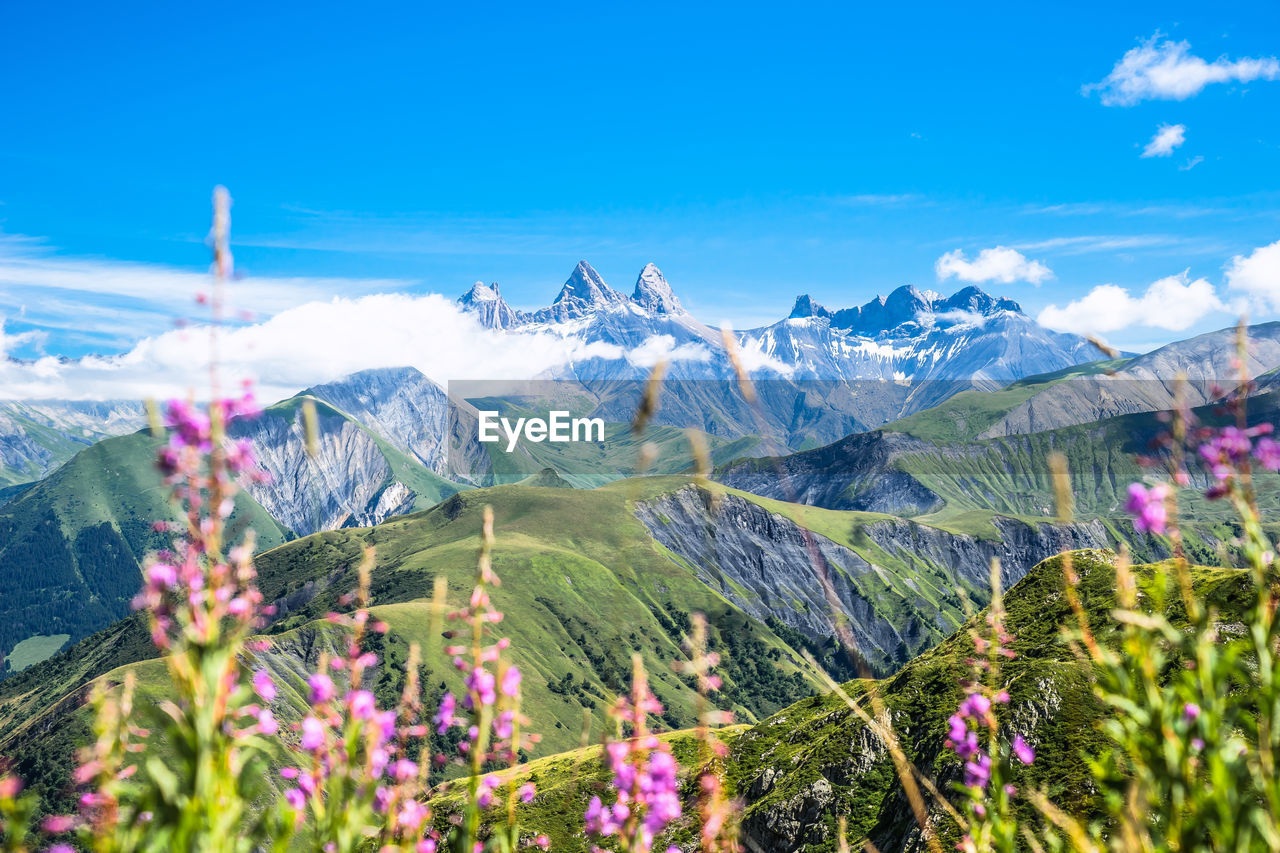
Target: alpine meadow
[[309, 544]]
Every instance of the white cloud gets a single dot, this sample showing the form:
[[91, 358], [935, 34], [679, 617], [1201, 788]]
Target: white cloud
[[1174, 303], [1000, 264], [1191, 163], [956, 317], [10, 342], [1257, 276], [658, 347], [1167, 138], [305, 345], [1161, 69]]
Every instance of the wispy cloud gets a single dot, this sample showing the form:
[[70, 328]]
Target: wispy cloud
[[878, 199], [109, 302], [1000, 264], [1161, 69], [1167, 137], [1191, 163], [1082, 244], [1109, 208]]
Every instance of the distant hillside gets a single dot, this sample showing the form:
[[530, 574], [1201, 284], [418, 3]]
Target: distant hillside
[[71, 545], [39, 435], [930, 467]]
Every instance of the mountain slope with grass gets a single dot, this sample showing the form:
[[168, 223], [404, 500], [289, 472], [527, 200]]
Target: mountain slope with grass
[[583, 588], [926, 468], [797, 773], [39, 435], [72, 545], [591, 577]]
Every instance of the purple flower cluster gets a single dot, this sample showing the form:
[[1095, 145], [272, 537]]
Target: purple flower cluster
[[976, 714], [1148, 507], [645, 778], [1226, 451]]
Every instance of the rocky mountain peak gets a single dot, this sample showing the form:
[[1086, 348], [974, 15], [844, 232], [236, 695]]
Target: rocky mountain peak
[[586, 286], [480, 292], [584, 293], [486, 303], [806, 307], [976, 300], [654, 294]]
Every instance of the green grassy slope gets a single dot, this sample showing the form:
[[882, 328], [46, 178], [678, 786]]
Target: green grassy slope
[[959, 482], [583, 587], [964, 416], [71, 545], [800, 770]]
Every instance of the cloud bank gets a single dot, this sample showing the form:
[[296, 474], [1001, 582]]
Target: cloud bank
[[1173, 303], [1257, 277], [313, 343]]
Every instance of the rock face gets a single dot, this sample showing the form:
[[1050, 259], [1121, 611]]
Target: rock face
[[856, 473], [653, 294], [771, 567], [348, 483], [414, 414], [352, 480]]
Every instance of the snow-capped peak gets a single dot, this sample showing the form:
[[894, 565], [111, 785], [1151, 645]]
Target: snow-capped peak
[[583, 294], [489, 307], [654, 294], [480, 292]]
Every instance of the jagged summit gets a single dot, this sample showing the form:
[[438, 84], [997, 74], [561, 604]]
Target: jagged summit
[[806, 307], [480, 292], [978, 301], [584, 293], [654, 294], [903, 305], [490, 308]]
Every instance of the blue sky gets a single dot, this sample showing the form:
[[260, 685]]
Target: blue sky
[[753, 151]]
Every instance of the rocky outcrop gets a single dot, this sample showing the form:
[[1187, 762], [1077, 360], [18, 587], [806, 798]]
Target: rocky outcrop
[[414, 415], [855, 473], [772, 567], [347, 483]]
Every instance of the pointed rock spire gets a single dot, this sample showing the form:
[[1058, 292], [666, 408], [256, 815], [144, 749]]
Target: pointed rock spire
[[653, 294], [490, 308], [584, 293], [806, 307]]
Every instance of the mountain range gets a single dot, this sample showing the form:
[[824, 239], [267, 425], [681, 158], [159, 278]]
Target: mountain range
[[909, 335]]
